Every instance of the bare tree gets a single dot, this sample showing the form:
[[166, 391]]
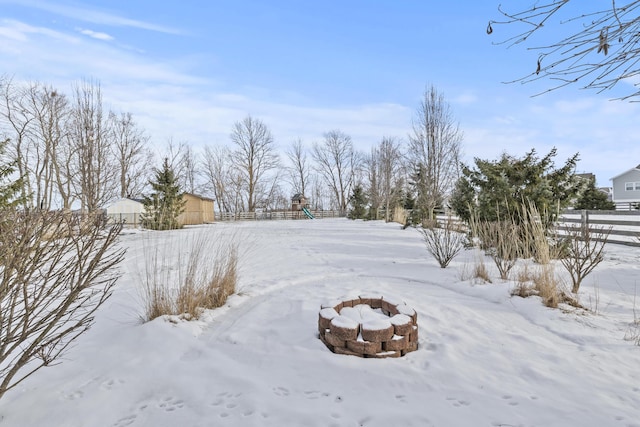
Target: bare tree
[[337, 162], [17, 118], [318, 193], [35, 117], [130, 145], [182, 161], [51, 111], [254, 156], [53, 278], [600, 50], [434, 149], [218, 177], [384, 168], [372, 166], [94, 165], [299, 169], [190, 172], [274, 197]]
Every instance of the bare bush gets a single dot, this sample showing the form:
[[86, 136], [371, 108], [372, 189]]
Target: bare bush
[[477, 273], [187, 277], [546, 284], [54, 275], [444, 243], [539, 245], [524, 283], [501, 241], [480, 271], [583, 251]]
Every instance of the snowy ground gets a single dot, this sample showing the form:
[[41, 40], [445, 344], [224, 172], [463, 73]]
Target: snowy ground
[[485, 358]]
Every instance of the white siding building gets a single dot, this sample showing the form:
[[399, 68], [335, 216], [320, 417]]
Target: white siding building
[[626, 187], [127, 210]]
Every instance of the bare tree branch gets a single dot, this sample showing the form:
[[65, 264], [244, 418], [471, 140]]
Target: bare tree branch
[[55, 272], [337, 162], [602, 51], [254, 155]]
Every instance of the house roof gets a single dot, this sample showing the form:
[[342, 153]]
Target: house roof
[[126, 199], [587, 175], [199, 197], [625, 172]]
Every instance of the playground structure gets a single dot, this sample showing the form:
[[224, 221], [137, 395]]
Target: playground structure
[[308, 213], [300, 203]]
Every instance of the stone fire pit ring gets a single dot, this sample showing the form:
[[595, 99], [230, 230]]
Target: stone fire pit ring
[[368, 326]]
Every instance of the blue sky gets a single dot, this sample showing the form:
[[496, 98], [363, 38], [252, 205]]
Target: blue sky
[[188, 70]]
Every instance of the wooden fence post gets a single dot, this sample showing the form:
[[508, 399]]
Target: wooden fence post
[[584, 220]]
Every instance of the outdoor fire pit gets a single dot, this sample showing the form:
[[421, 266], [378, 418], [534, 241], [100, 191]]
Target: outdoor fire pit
[[369, 327]]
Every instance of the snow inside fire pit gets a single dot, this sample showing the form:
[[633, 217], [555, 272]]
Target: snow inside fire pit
[[369, 327]]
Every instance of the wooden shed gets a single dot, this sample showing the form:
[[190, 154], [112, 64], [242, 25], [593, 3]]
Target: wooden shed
[[197, 210]]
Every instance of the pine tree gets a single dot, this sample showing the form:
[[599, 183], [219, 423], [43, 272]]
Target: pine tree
[[594, 199], [9, 189], [499, 189], [166, 203], [358, 202]]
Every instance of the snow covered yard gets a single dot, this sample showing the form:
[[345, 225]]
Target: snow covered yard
[[484, 358]]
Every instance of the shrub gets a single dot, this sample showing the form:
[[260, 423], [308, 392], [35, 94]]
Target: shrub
[[444, 243], [583, 252], [501, 241], [186, 277], [494, 190], [55, 272]]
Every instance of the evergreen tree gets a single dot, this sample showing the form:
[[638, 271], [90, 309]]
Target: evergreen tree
[[498, 189], [166, 203], [358, 203], [594, 199], [462, 199], [9, 189]]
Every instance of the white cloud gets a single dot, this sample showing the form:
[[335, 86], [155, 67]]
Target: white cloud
[[171, 101], [18, 31], [92, 15], [95, 34], [466, 98], [603, 132]]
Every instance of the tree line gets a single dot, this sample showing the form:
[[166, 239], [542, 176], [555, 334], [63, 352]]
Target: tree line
[[71, 150]]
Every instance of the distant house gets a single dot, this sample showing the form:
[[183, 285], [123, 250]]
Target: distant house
[[197, 210], [626, 187], [127, 211]]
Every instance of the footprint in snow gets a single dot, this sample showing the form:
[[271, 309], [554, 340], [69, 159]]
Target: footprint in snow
[[458, 403], [227, 403], [511, 402], [315, 394], [126, 421], [170, 404], [111, 384], [73, 396], [281, 391]]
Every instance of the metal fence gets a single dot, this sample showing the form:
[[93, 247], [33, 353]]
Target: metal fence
[[129, 220]]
